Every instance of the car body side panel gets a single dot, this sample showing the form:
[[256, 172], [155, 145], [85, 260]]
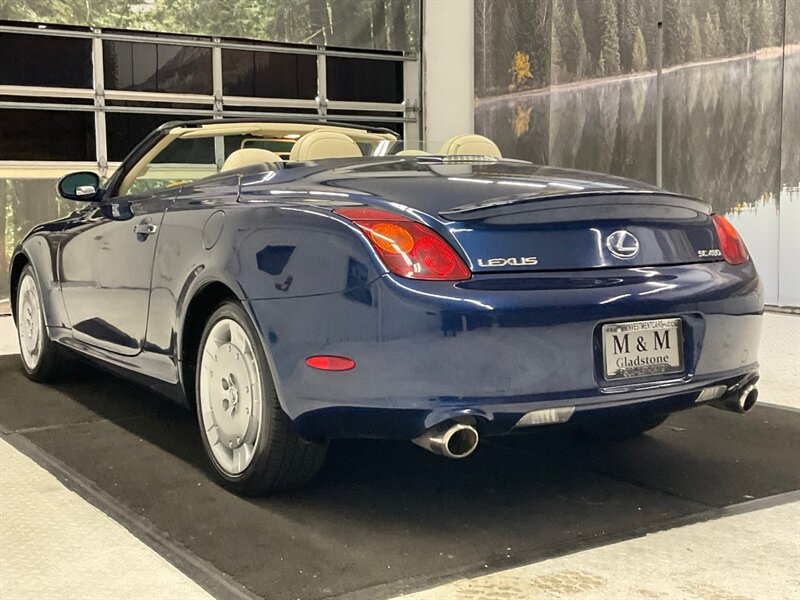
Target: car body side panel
[[105, 270], [274, 250], [40, 248], [436, 350], [182, 263]]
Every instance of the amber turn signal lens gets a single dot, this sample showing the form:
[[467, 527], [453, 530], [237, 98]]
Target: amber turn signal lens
[[391, 237]]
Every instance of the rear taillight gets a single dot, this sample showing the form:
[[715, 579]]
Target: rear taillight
[[730, 243], [408, 248]]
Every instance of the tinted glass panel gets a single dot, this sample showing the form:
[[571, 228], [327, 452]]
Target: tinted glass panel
[[165, 68], [191, 152], [180, 162], [46, 135], [39, 99], [269, 74], [184, 70], [26, 203], [364, 80], [390, 125], [45, 61], [124, 131]]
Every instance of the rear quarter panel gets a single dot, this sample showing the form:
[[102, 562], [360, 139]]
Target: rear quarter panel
[[271, 251]]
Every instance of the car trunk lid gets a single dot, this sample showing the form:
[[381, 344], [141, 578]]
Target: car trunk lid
[[582, 231]]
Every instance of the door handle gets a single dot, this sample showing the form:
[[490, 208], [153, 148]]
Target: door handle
[[144, 229]]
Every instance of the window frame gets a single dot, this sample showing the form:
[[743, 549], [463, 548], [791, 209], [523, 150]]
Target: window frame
[[406, 115]]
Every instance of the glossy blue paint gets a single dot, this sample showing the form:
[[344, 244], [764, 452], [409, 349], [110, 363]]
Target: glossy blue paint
[[432, 351], [506, 341]]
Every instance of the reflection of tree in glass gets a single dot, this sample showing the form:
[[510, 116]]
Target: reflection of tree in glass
[[355, 23], [25, 203], [639, 50], [520, 70], [608, 61], [521, 119], [722, 128], [575, 57], [602, 38]]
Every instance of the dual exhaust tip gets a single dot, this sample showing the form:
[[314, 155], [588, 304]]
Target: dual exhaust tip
[[741, 402], [459, 440], [453, 440]]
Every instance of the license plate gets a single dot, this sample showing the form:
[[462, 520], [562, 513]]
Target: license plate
[[642, 348]]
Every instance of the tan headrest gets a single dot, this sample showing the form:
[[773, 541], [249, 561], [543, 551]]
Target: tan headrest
[[413, 153], [471, 144], [249, 156], [324, 144]]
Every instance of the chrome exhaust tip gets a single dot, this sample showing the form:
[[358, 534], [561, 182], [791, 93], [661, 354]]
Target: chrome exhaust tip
[[741, 403], [453, 440], [747, 399]]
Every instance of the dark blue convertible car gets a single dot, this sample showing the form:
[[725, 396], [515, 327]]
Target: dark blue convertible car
[[299, 282]]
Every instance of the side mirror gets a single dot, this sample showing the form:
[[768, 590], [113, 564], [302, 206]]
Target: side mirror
[[83, 186]]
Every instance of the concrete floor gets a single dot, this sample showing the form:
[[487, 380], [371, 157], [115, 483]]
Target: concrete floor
[[753, 555], [53, 544]]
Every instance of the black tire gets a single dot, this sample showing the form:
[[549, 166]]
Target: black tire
[[49, 361], [282, 459], [620, 429]]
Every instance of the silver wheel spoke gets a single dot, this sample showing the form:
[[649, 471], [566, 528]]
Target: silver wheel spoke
[[239, 338], [242, 456]]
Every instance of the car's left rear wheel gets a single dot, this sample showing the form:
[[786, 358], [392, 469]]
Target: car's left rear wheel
[[245, 432]]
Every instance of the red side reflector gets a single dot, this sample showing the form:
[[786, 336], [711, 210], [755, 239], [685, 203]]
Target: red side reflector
[[331, 363], [730, 242]]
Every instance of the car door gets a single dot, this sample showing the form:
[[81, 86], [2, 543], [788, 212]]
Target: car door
[[105, 267]]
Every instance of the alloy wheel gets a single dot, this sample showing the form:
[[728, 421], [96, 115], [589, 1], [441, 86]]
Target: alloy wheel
[[230, 396], [29, 322]]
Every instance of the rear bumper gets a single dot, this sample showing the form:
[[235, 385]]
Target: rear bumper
[[497, 347]]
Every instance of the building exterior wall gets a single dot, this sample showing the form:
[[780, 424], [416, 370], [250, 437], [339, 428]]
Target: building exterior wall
[[447, 86]]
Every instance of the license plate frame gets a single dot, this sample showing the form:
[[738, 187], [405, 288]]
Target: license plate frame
[[642, 348]]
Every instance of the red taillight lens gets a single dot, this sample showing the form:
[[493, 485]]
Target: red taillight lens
[[731, 244], [407, 248]]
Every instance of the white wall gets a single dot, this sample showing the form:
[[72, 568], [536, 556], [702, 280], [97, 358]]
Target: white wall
[[447, 69], [771, 235]]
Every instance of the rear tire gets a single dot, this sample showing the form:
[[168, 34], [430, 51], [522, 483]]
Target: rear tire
[[40, 357], [620, 429], [247, 436]]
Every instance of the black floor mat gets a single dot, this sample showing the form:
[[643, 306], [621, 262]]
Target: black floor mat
[[388, 517]]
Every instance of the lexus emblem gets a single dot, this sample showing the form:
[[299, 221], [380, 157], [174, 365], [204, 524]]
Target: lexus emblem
[[623, 244]]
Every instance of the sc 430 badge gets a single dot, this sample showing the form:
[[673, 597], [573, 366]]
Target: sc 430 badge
[[707, 253], [522, 261]]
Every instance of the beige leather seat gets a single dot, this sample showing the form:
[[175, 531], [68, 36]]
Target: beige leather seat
[[324, 144], [471, 144], [413, 153], [249, 156]]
